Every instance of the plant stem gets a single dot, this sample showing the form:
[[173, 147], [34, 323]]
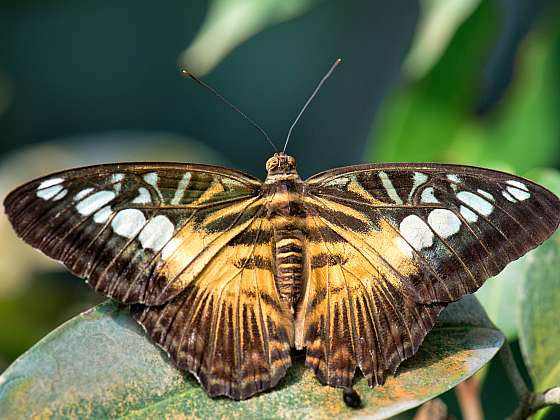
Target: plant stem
[[531, 402], [534, 402], [506, 356]]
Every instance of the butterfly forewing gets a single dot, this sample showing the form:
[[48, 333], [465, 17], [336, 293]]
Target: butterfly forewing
[[457, 225], [389, 245], [123, 227]]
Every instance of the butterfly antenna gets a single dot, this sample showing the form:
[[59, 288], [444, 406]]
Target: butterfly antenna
[[187, 73], [323, 80]]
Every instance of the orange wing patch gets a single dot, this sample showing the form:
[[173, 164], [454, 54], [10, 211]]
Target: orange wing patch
[[359, 308]]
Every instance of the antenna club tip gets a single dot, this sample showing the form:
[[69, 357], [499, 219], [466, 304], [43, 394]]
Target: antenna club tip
[[338, 60], [186, 73]]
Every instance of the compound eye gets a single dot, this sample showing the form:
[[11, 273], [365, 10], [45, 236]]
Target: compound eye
[[272, 163]]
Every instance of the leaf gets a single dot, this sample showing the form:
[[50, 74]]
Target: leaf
[[435, 118], [539, 329], [100, 364], [438, 23], [419, 121], [499, 296], [229, 23]]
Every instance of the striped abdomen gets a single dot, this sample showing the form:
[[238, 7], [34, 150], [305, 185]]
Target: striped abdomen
[[289, 264], [286, 211]]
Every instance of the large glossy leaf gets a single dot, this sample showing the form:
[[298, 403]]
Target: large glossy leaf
[[100, 364]]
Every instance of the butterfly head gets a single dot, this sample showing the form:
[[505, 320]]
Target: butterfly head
[[281, 164]]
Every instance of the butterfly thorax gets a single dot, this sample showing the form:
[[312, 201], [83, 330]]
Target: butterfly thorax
[[283, 189]]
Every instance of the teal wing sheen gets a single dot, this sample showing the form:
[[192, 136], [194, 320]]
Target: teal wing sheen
[[390, 245]]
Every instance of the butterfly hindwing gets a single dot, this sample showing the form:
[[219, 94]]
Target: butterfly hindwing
[[389, 245], [229, 326], [356, 311], [123, 227]]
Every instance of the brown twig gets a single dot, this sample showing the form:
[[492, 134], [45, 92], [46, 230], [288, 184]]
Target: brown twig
[[506, 357], [534, 402], [531, 402]]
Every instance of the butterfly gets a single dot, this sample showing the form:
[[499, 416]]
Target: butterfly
[[227, 273]]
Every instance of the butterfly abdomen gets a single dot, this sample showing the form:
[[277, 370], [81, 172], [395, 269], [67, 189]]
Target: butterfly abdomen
[[289, 264], [286, 211]]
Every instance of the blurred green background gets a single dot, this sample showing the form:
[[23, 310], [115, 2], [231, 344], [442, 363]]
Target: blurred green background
[[464, 81]]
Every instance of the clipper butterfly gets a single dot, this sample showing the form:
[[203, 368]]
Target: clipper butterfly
[[228, 273]]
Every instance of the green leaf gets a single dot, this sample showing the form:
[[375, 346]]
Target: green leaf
[[418, 123], [499, 296], [438, 23], [229, 23], [539, 329], [434, 118], [100, 364]]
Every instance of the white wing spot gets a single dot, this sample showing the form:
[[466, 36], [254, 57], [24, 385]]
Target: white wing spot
[[50, 183], [469, 215], [128, 222], [170, 248], [156, 233], [94, 202], [143, 197], [517, 184], [338, 182], [388, 185], [521, 195], [180, 192], [418, 179], [405, 248], [509, 197], [428, 196], [485, 194], [101, 216], [152, 179], [444, 222], [416, 232], [116, 180], [82, 194], [49, 192], [479, 204], [454, 178]]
